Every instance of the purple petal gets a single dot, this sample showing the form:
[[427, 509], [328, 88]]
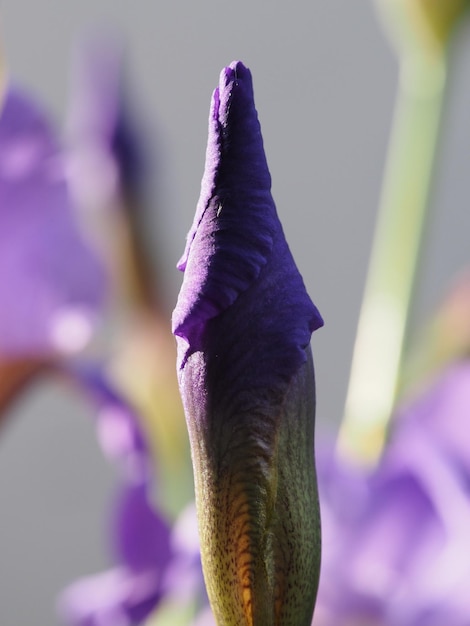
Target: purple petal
[[236, 252], [51, 285], [183, 578], [141, 536], [442, 411], [118, 597], [109, 153], [404, 549], [119, 429], [154, 564]]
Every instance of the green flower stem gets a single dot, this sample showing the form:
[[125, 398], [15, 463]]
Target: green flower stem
[[388, 294]]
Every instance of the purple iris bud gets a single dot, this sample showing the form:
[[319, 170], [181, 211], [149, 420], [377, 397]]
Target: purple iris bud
[[243, 324], [51, 284]]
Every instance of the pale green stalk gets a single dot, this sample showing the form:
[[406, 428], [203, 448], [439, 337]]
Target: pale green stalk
[[388, 294]]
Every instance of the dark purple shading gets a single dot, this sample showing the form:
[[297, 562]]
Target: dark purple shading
[[49, 277], [239, 273]]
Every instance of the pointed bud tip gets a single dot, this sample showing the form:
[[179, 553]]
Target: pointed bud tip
[[235, 87]]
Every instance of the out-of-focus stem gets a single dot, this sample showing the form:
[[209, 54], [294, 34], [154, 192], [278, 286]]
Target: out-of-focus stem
[[15, 375], [388, 294]]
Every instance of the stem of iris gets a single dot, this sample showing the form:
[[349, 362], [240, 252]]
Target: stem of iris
[[388, 297]]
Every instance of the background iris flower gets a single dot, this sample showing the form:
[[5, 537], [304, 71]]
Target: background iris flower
[[54, 287], [402, 528], [52, 281], [45, 264]]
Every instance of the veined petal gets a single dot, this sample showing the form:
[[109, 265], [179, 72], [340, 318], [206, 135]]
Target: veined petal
[[243, 323]]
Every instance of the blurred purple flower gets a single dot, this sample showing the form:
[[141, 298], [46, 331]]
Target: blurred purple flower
[[52, 289], [442, 413], [106, 135], [243, 323], [154, 564], [153, 561], [51, 284], [127, 594], [112, 171], [109, 154], [404, 547]]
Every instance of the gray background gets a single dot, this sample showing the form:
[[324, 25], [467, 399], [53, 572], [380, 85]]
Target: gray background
[[325, 80]]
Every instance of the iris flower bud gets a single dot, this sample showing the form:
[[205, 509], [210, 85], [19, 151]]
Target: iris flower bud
[[243, 324]]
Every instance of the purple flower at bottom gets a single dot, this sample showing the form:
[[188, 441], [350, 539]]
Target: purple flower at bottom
[[129, 593], [399, 560], [152, 559], [154, 565], [243, 324], [51, 284]]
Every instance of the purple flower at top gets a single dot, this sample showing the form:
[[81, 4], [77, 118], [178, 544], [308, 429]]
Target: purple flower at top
[[51, 283], [398, 560], [243, 323]]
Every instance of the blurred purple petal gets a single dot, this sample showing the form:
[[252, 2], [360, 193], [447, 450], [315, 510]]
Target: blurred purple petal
[[443, 411], [153, 559], [108, 149], [403, 548], [51, 285], [119, 430], [155, 563], [118, 597], [183, 579], [141, 537]]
